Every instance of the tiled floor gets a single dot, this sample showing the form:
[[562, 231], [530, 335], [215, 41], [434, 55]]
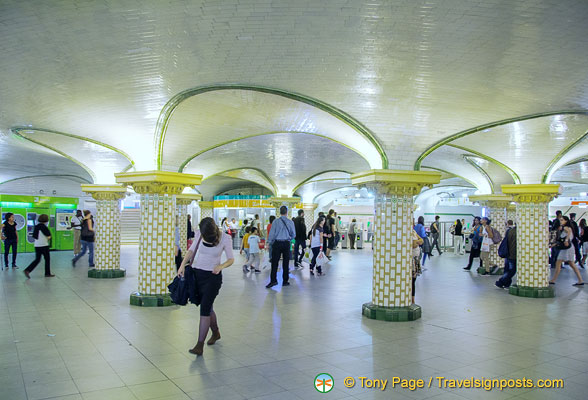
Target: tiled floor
[[73, 338]]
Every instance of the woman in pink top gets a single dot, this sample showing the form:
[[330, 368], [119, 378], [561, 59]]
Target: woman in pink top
[[208, 246]]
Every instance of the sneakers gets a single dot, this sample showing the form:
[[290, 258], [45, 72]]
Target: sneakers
[[467, 268], [73, 262], [286, 284], [257, 271], [14, 266], [485, 273], [498, 285], [271, 285], [245, 269], [311, 272]]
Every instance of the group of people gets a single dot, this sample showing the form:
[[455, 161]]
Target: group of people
[[565, 240]]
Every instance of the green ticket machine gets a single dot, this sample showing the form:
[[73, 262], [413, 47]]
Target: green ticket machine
[[26, 210]]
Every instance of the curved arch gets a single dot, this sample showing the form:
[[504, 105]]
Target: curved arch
[[436, 145], [481, 170], [511, 172], [332, 190], [61, 153], [41, 176], [315, 175], [451, 173], [169, 108], [216, 146], [549, 171], [17, 129], [266, 176]]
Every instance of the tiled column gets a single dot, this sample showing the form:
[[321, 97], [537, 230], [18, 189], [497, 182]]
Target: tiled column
[[107, 250], [158, 190], [206, 210], [532, 238], [392, 245], [309, 209], [289, 202], [511, 213], [496, 205], [182, 203]]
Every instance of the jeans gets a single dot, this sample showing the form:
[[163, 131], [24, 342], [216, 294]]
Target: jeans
[[41, 251], [435, 242], [576, 244], [510, 269], [7, 245], [315, 252], [89, 247], [280, 248], [337, 238], [554, 254], [299, 256]]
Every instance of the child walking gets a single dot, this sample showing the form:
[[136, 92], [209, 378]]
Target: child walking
[[254, 252], [245, 247]]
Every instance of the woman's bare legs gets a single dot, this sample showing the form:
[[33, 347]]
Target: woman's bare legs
[[576, 270], [557, 271]]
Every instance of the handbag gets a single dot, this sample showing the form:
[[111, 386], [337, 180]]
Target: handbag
[[561, 243]]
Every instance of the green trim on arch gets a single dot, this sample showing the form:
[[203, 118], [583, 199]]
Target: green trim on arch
[[17, 130], [261, 172], [48, 175], [332, 190], [216, 146], [315, 175], [481, 170], [442, 142], [513, 174], [559, 156], [169, 108], [451, 173]]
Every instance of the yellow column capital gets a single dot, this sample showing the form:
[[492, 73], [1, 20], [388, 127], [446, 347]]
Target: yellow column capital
[[290, 202], [309, 206], [396, 181], [158, 182], [492, 200], [105, 192], [206, 204], [539, 193], [187, 198]]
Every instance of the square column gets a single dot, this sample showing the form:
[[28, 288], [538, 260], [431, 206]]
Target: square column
[[392, 245], [309, 210], [511, 213], [289, 202], [532, 238], [206, 210], [182, 203], [496, 205], [158, 190], [107, 251]]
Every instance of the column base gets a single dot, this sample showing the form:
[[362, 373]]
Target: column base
[[409, 313], [150, 300], [106, 273], [529, 291]]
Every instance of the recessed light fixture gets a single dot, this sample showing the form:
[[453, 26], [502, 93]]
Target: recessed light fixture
[[357, 194]]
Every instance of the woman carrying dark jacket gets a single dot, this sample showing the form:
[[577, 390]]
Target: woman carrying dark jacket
[[42, 236]]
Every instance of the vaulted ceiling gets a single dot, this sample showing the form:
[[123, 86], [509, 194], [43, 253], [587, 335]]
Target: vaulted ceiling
[[293, 96]]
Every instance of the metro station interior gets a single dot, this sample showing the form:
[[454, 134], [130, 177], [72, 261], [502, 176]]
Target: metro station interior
[[404, 122]]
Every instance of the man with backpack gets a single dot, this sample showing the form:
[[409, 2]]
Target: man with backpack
[[490, 237], [435, 235], [508, 251]]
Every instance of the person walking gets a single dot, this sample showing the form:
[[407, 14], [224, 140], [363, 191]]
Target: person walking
[[300, 239], [554, 232], [576, 239], [417, 242], [254, 255], [204, 257], [190, 230], [510, 262], [476, 239], [337, 234], [245, 246], [87, 238], [426, 246], [351, 234], [76, 226], [458, 236], [9, 235], [566, 251], [280, 236], [256, 223], [42, 237], [316, 242], [584, 239], [487, 245], [332, 231], [435, 231]]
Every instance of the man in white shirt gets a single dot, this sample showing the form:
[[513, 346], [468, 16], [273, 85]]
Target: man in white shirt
[[76, 225]]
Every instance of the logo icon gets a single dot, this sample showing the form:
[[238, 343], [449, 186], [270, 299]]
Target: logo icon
[[324, 383]]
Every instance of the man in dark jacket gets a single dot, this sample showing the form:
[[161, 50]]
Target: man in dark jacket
[[576, 239], [300, 240], [510, 263]]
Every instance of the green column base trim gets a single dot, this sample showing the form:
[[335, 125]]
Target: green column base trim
[[529, 291], [106, 273], [150, 300], [409, 313], [498, 271]]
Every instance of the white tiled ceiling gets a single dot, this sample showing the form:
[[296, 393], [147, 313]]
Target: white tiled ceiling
[[412, 72]]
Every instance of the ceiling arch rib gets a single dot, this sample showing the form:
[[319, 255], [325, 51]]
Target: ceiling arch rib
[[309, 188], [99, 159], [573, 151], [221, 114], [286, 158], [451, 176], [513, 174], [250, 174]]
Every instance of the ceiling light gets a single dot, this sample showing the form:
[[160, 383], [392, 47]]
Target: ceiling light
[[583, 194], [357, 194], [464, 195]]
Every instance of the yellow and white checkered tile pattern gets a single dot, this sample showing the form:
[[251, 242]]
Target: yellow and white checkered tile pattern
[[532, 244], [182, 213], [205, 211], [156, 243], [392, 272], [498, 217], [107, 255]]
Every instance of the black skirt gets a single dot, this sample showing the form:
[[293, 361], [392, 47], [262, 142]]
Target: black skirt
[[207, 286]]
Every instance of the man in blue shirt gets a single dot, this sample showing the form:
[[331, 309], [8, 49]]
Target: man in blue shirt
[[280, 236]]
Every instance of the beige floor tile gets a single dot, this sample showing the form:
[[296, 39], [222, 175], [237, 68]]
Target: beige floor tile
[[155, 390], [53, 389], [122, 393]]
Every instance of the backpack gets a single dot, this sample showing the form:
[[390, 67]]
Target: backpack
[[503, 248], [496, 236], [433, 229]]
